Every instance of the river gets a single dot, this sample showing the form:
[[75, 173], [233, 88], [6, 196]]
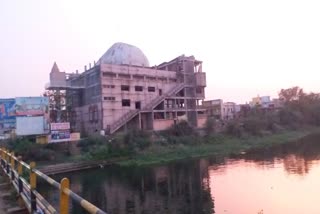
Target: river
[[282, 179]]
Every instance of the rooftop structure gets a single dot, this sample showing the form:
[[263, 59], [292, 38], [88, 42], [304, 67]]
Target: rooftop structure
[[124, 54]]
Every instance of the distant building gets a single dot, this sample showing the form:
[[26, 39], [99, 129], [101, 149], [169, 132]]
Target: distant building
[[220, 110], [213, 108], [228, 110], [122, 91], [266, 104], [263, 102], [244, 110]]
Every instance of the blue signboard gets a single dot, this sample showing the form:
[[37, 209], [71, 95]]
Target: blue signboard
[[7, 114]]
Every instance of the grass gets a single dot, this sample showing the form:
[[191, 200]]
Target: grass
[[221, 146]]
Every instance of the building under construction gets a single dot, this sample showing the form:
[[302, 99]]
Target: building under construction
[[122, 91]]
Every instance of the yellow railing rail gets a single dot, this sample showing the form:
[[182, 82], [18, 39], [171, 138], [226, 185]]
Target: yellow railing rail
[[14, 167]]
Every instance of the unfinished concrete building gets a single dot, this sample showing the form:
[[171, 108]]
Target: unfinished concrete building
[[121, 91]]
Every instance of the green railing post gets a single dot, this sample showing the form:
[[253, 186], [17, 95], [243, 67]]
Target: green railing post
[[64, 198], [33, 185]]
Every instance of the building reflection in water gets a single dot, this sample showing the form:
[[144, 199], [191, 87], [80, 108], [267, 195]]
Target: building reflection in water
[[178, 188]]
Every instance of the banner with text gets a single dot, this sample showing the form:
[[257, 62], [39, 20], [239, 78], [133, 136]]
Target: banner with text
[[7, 114]]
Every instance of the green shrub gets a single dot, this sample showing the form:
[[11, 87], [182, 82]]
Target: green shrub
[[233, 128], [137, 139], [254, 125], [90, 143], [209, 126], [29, 150], [180, 129]]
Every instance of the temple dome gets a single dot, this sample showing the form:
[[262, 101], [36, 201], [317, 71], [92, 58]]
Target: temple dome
[[124, 54]]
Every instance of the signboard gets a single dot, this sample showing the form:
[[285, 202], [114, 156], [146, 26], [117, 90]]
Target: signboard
[[7, 114], [31, 106], [75, 136], [31, 126], [60, 126], [59, 136], [60, 132]]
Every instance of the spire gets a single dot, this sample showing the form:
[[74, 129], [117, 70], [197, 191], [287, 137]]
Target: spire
[[55, 68]]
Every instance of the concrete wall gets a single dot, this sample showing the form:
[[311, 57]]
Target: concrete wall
[[159, 125], [200, 79], [84, 122], [202, 121], [58, 79]]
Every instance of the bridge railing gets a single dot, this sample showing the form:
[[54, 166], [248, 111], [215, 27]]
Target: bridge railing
[[19, 172]]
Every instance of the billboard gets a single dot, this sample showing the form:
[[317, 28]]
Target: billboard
[[7, 114], [59, 136], [32, 126], [60, 132], [31, 106], [60, 126]]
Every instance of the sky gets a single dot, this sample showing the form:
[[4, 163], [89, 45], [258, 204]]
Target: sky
[[248, 47]]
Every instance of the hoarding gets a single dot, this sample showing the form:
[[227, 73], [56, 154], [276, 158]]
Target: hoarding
[[75, 136], [60, 132], [31, 106], [60, 126], [7, 114], [36, 125], [59, 136]]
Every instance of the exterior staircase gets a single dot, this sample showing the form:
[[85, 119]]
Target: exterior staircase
[[131, 114], [123, 120], [159, 99]]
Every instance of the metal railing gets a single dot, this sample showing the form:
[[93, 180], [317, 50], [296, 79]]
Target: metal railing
[[16, 170], [159, 99]]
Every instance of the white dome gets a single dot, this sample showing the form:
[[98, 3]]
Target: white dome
[[124, 54]]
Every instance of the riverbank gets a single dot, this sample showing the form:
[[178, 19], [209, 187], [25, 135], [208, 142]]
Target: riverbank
[[220, 146], [186, 147]]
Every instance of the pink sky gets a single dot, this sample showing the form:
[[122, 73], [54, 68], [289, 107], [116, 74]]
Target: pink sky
[[248, 47]]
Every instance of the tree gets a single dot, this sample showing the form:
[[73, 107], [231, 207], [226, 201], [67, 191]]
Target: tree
[[291, 94]]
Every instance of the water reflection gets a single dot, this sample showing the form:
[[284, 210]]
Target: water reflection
[[246, 184], [183, 187], [297, 158]]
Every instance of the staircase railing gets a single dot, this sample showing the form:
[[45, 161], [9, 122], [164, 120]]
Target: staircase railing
[[122, 120], [131, 114], [159, 99]]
